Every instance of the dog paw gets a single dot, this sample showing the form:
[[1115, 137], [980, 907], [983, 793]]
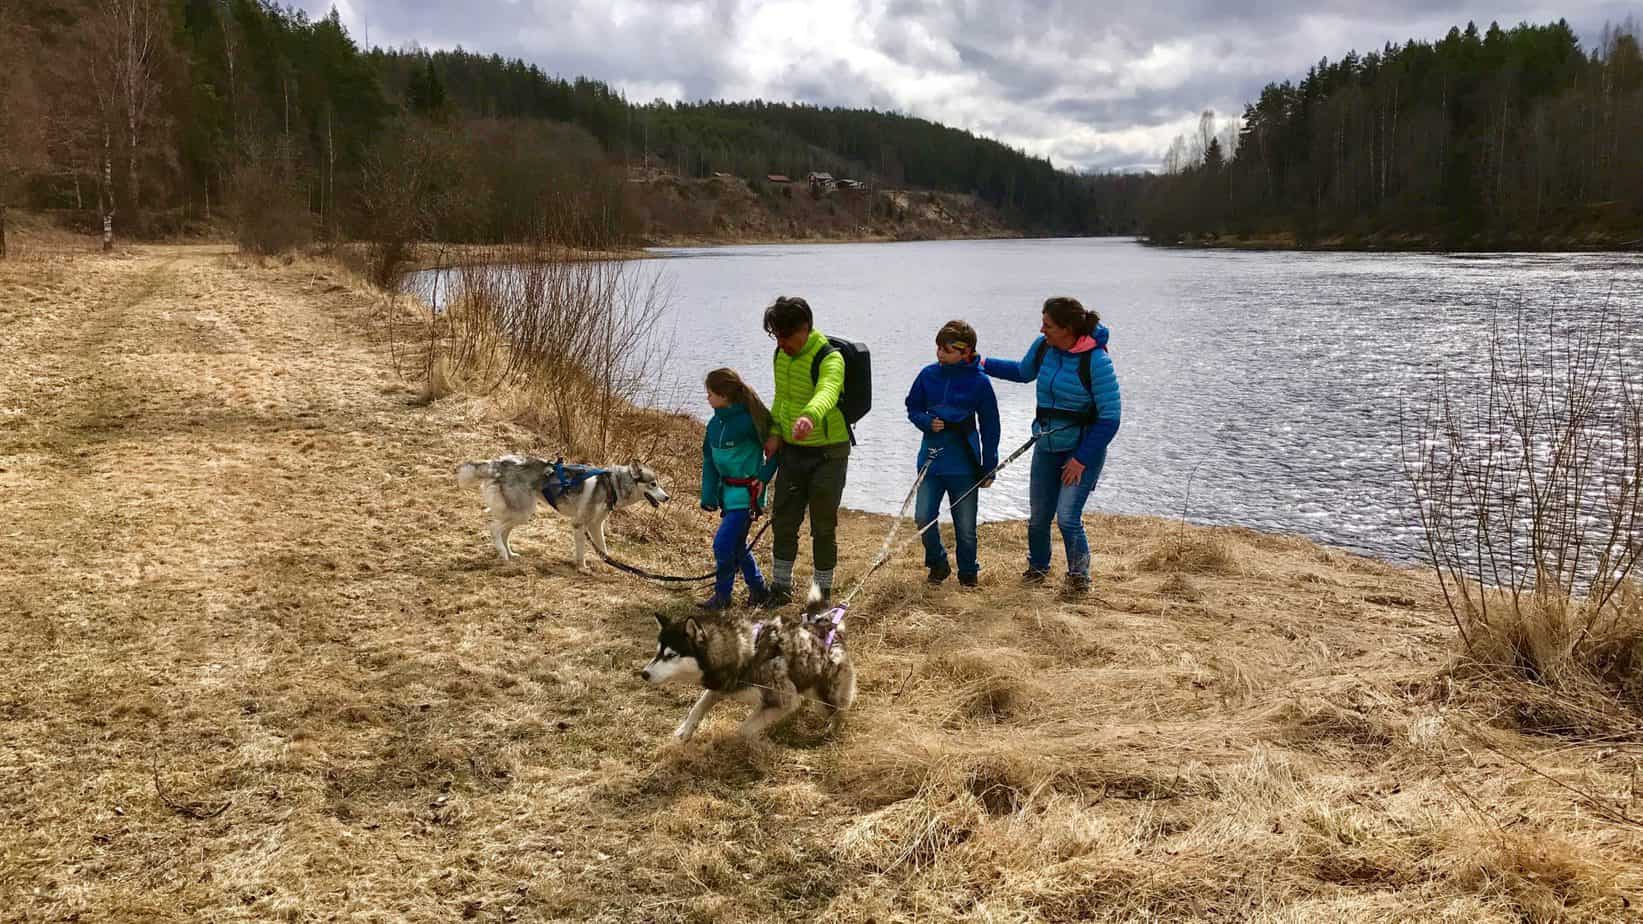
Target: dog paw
[[682, 734]]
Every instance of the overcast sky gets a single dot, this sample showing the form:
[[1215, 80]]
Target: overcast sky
[[1093, 86]]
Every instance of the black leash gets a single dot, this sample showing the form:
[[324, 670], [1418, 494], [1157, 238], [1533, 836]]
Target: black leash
[[682, 579]]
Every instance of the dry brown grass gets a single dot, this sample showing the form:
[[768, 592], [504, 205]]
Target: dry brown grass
[[1195, 552], [239, 572]]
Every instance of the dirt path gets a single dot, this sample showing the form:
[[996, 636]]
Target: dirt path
[[238, 573], [216, 528]]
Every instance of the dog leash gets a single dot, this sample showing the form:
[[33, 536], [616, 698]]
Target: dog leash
[[886, 553], [683, 579]]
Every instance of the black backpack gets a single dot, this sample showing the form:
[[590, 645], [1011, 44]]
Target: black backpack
[[857, 397]]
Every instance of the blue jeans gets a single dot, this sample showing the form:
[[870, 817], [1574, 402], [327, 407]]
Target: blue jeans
[[1048, 498], [964, 520], [730, 550]]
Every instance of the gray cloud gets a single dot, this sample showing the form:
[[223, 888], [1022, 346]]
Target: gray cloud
[[1091, 86]]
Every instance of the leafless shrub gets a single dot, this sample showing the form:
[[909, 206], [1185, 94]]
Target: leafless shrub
[[1529, 493], [270, 208], [571, 337]]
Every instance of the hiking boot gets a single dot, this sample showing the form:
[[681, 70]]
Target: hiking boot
[[756, 596], [1076, 585], [715, 604], [939, 573], [777, 597], [969, 580], [1032, 577]]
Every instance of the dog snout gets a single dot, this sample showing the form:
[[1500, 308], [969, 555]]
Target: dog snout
[[644, 674]]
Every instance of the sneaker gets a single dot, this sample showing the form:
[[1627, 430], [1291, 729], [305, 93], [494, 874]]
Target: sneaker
[[939, 573], [1033, 577], [715, 604], [777, 597], [756, 596], [968, 580], [1076, 585]]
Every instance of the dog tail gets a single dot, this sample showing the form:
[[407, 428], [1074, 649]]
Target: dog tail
[[472, 474], [814, 603]]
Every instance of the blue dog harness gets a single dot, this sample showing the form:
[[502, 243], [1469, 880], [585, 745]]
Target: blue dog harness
[[567, 478]]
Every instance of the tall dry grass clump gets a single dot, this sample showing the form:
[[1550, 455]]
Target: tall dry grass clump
[[566, 343], [1529, 493]]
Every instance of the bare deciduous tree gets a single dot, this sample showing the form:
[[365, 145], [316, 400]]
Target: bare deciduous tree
[[22, 143]]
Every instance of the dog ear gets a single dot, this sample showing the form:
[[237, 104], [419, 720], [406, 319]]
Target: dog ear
[[661, 619], [634, 468], [693, 631]]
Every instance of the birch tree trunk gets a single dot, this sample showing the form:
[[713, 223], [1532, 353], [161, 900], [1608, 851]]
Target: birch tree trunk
[[105, 191]]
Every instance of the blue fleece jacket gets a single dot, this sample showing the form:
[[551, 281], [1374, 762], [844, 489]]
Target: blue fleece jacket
[[962, 397], [732, 449], [1059, 386]]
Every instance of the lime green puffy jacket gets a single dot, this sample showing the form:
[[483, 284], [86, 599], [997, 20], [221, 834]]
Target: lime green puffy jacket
[[797, 396]]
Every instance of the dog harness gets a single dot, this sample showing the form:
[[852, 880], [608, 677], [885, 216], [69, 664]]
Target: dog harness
[[567, 478], [755, 490], [833, 619]]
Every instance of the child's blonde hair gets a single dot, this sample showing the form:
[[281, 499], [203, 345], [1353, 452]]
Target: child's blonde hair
[[725, 383]]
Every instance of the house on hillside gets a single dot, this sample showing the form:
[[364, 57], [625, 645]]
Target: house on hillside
[[821, 183], [780, 179]]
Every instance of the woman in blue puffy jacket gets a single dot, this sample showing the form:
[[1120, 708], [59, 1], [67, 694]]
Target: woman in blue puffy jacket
[[1078, 415]]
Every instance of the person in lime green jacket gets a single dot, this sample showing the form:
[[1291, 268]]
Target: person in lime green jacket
[[809, 431]]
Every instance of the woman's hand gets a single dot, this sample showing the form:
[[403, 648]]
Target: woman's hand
[[772, 445], [802, 428], [1072, 472], [937, 425]]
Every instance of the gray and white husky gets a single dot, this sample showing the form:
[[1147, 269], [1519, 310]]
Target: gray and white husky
[[774, 664], [513, 485]]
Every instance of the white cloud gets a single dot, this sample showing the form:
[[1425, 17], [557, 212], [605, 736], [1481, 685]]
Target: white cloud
[[1086, 85]]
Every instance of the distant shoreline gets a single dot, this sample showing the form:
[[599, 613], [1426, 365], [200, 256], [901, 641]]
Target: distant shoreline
[[1406, 243]]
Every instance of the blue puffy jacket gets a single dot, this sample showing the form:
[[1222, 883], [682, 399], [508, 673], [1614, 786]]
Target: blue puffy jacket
[[963, 398], [1059, 386], [732, 448]]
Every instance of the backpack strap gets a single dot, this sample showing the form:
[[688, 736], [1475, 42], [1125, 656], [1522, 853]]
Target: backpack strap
[[815, 364], [827, 349]]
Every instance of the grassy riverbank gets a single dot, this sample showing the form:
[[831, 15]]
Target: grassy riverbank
[[260, 662]]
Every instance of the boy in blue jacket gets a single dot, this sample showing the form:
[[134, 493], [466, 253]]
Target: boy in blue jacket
[[952, 402]]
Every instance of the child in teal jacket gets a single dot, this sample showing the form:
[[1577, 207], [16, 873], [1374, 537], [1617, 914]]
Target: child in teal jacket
[[734, 472]]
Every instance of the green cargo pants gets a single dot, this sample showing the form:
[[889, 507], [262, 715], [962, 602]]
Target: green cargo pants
[[810, 477]]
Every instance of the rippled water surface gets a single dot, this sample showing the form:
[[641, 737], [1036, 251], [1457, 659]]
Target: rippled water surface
[[1278, 377]]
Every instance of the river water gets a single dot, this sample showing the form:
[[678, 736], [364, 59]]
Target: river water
[[1273, 381]]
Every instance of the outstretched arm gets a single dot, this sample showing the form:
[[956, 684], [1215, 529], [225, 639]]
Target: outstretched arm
[[1024, 371]]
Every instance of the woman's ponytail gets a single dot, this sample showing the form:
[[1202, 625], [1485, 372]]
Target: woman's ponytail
[[1070, 313]]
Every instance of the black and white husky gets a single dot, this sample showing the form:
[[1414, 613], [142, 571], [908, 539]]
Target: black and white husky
[[774, 664], [512, 486]]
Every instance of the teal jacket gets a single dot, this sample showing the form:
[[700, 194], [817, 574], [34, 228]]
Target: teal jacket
[[732, 448]]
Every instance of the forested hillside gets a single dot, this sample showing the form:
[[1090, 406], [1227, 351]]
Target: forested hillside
[[143, 116], [1501, 137]]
